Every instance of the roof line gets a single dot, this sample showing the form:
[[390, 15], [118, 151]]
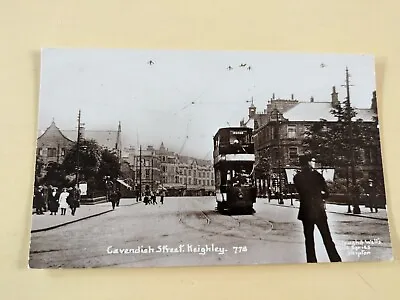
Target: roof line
[[57, 129]]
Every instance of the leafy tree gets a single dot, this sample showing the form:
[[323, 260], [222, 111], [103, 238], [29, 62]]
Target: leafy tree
[[89, 159], [39, 168], [55, 175], [330, 142], [109, 165]]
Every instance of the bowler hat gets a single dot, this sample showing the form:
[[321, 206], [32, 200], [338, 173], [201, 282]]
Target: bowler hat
[[304, 160]]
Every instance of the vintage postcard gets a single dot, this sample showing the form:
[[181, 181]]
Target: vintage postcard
[[161, 158]]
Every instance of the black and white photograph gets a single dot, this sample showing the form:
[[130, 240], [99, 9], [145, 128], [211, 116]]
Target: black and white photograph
[[174, 158]]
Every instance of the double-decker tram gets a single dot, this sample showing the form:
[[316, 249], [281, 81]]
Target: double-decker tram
[[233, 166]]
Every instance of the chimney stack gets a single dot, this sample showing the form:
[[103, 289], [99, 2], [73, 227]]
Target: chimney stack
[[273, 96], [292, 97], [312, 99], [334, 96], [374, 104]]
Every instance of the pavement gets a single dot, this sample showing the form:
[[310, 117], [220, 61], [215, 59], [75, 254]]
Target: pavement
[[336, 209], [48, 222]]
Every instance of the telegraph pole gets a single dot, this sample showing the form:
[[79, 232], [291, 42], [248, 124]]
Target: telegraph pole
[[78, 148], [354, 196], [152, 164], [280, 200], [140, 172]]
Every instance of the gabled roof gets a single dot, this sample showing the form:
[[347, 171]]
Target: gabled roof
[[315, 111], [105, 138], [53, 127]]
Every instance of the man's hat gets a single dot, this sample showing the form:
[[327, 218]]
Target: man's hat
[[304, 160]]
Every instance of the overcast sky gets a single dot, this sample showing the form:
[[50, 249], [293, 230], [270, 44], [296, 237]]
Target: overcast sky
[[154, 102]]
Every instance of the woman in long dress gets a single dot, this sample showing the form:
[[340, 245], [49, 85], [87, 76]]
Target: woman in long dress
[[53, 201], [63, 201]]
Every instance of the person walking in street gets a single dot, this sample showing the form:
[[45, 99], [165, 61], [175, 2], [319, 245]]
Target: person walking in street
[[39, 200], [73, 199], [312, 190], [118, 195], [370, 190], [162, 196], [153, 198], [113, 199], [63, 201], [53, 200]]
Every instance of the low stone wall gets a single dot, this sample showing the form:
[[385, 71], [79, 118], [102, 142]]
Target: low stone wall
[[91, 201]]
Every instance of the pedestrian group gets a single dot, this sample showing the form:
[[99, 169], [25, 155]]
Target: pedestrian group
[[49, 198]]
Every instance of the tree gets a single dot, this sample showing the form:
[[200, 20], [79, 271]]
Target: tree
[[329, 142], [109, 165], [55, 175], [89, 159], [39, 168]]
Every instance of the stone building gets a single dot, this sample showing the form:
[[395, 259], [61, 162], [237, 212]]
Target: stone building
[[279, 134], [53, 142], [162, 168]]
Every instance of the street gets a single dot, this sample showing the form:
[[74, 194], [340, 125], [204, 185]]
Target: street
[[189, 232]]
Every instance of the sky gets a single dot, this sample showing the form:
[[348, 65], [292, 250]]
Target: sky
[[185, 96]]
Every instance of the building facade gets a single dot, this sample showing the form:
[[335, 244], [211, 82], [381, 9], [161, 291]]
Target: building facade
[[53, 142], [279, 133], [163, 169]]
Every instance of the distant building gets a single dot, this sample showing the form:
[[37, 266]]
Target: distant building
[[53, 143], [161, 168]]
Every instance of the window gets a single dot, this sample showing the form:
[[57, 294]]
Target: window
[[163, 168], [291, 131], [185, 172], [190, 180], [176, 179], [180, 180], [51, 152], [63, 152], [195, 181], [292, 152], [138, 173], [212, 182], [185, 180], [190, 172], [147, 173], [163, 158], [307, 129], [40, 151], [208, 181]]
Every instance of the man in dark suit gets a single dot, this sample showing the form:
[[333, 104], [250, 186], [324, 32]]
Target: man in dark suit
[[370, 190], [312, 190]]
